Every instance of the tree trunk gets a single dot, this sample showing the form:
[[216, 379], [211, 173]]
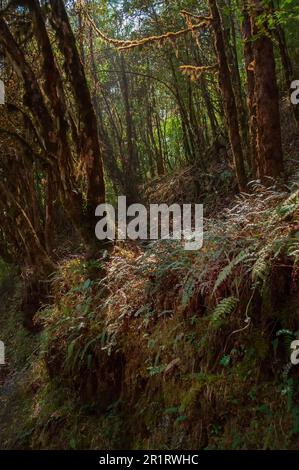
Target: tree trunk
[[232, 55], [269, 146], [249, 58], [91, 150], [228, 97], [131, 169], [286, 61]]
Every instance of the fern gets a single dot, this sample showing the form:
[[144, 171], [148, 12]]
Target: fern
[[293, 249], [188, 291], [287, 336], [286, 209], [224, 308], [261, 266], [285, 332], [226, 272]]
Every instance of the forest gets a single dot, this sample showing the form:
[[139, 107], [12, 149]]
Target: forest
[[144, 342]]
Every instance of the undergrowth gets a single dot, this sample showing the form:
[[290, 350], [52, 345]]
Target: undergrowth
[[162, 348]]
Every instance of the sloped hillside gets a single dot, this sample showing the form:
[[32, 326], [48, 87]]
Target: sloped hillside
[[167, 348]]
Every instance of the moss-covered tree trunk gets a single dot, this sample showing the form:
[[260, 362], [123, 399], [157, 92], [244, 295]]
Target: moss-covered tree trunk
[[91, 149], [249, 66]]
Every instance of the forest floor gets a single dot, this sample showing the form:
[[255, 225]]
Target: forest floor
[[164, 348]]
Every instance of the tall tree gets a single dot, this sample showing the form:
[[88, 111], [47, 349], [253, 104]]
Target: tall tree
[[90, 146], [228, 96], [269, 145], [249, 66]]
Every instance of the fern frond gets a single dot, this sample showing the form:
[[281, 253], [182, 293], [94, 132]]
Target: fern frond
[[226, 272], [224, 308], [188, 291], [261, 267]]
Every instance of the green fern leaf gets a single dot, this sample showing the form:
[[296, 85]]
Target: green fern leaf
[[226, 272], [224, 308]]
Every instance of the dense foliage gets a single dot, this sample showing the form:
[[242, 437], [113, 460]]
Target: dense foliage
[[147, 345]]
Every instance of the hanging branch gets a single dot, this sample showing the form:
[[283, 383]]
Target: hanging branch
[[122, 45], [194, 72], [187, 15], [189, 20]]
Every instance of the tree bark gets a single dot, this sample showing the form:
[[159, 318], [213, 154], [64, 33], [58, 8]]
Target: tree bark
[[249, 66], [228, 97], [269, 145], [91, 149]]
